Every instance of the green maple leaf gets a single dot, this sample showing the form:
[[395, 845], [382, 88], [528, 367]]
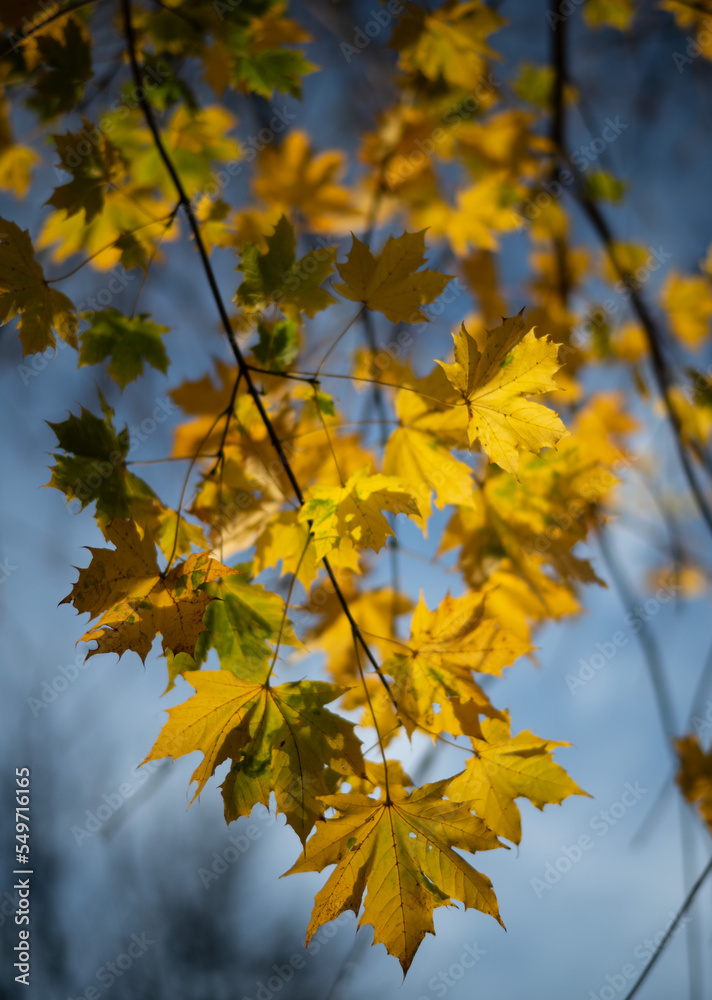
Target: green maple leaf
[[128, 341], [274, 69], [277, 276], [94, 467]]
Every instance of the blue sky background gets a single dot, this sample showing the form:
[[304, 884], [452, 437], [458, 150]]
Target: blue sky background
[[140, 873]]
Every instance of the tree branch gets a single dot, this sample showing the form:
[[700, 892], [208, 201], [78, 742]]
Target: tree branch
[[244, 368]]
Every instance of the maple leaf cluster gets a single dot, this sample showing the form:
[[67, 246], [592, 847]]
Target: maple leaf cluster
[[270, 552]]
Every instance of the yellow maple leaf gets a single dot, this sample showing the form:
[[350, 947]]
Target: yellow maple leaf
[[68, 235], [16, 163], [494, 383], [448, 43], [281, 739], [505, 768], [389, 282], [399, 851], [350, 516], [136, 600], [294, 178], [538, 518], [481, 211], [519, 601], [24, 292], [285, 539], [434, 686]]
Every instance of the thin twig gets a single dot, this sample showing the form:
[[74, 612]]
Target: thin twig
[[671, 929]]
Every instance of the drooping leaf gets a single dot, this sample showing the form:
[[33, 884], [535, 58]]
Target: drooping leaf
[[295, 179], [398, 852], [92, 171], [67, 66], [449, 43], [278, 345], [694, 775], [243, 626], [420, 450], [94, 466], [434, 686], [351, 515]]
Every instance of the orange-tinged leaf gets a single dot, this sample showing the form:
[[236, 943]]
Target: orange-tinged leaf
[[136, 601], [694, 776], [292, 177]]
